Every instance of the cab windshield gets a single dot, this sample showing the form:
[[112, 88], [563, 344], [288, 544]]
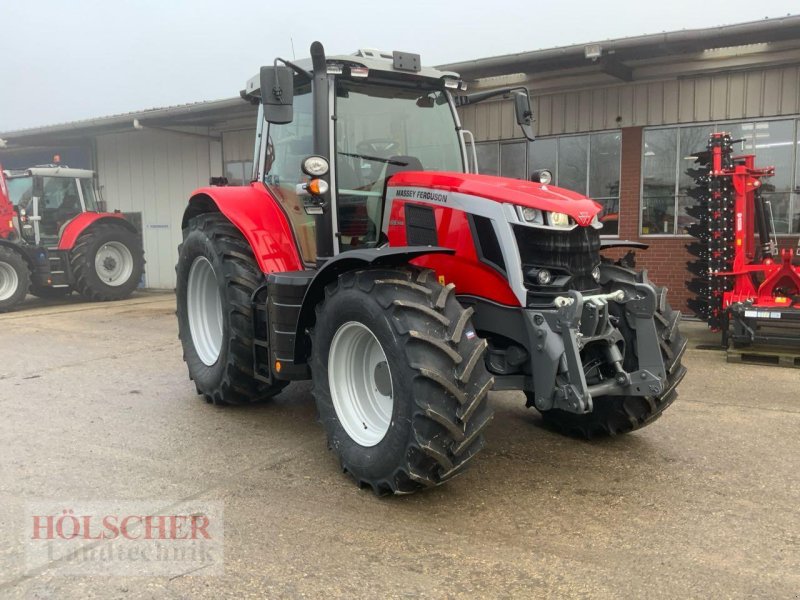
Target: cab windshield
[[382, 130]]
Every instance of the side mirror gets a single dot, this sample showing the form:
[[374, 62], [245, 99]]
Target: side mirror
[[524, 114], [277, 94]]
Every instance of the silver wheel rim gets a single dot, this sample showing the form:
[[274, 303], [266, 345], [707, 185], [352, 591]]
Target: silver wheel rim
[[113, 263], [204, 308], [9, 281], [361, 383]]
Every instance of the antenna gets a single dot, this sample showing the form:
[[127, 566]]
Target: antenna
[[291, 41]]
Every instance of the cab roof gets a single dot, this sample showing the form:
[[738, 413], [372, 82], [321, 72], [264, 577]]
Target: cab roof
[[374, 60], [51, 171]]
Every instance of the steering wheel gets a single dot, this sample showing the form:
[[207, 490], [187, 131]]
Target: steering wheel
[[382, 147]]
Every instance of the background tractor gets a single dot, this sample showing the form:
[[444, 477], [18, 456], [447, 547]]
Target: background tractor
[[368, 255], [56, 236]]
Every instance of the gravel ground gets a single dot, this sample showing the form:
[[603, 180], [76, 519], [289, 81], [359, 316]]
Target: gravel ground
[[98, 406]]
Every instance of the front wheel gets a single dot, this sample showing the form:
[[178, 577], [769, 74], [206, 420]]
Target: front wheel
[[217, 274], [399, 379], [14, 278], [107, 262]]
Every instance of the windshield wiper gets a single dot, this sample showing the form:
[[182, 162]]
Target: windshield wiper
[[388, 161]]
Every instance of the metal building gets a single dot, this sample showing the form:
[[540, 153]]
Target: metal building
[[614, 119]]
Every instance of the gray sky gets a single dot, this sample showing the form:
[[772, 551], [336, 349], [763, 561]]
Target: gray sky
[[62, 61]]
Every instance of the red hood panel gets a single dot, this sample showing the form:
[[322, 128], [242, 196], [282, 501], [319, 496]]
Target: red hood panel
[[505, 190]]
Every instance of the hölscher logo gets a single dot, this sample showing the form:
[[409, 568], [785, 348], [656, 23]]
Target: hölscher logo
[[142, 537]]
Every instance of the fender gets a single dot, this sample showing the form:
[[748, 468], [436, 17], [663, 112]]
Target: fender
[[348, 261], [260, 219], [83, 221], [6, 209], [21, 251]]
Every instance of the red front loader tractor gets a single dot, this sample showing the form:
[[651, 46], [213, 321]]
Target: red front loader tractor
[[55, 237], [364, 255]]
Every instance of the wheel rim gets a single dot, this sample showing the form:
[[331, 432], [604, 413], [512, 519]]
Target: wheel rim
[[113, 263], [361, 383], [9, 281], [204, 308]]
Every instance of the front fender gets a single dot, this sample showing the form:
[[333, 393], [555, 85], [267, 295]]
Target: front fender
[[257, 215], [83, 221], [348, 261]]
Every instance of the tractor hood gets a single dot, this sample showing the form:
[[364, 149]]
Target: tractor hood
[[504, 190]]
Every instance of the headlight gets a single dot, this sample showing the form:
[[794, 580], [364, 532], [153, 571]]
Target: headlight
[[596, 273], [544, 277], [530, 215], [315, 166], [558, 219]]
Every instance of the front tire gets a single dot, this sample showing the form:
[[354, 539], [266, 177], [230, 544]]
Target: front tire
[[14, 278], [216, 276], [399, 379], [107, 262]]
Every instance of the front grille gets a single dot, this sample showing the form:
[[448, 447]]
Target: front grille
[[572, 253]]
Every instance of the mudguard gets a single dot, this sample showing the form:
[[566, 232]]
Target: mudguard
[[83, 221], [258, 216], [386, 256]]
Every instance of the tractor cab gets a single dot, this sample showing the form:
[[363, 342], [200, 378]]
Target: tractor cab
[[47, 198], [333, 130]]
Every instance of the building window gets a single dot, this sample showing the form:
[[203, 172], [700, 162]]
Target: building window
[[666, 155], [586, 164]]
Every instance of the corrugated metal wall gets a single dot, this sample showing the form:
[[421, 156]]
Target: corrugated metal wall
[[153, 172], [727, 96]]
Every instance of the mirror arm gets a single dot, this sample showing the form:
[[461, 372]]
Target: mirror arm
[[481, 96], [299, 70]]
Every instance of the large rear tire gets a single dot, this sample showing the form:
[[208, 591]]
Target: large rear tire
[[614, 415], [399, 379], [216, 277], [14, 278], [107, 262]]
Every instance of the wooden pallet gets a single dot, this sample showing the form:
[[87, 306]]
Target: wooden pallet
[[778, 357]]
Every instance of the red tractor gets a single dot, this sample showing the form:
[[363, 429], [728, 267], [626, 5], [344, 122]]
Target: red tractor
[[365, 256], [55, 237]]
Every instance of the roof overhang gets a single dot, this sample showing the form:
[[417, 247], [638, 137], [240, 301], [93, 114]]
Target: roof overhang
[[612, 56]]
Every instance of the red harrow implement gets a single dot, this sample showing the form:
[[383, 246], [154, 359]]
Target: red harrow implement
[[746, 286]]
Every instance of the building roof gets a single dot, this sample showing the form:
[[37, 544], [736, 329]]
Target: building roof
[[189, 115], [615, 53]]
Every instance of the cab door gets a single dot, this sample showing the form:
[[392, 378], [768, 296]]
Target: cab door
[[56, 204]]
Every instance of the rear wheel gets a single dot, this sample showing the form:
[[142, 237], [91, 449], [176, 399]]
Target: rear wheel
[[107, 262], [14, 278], [399, 379], [217, 275], [614, 415]]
